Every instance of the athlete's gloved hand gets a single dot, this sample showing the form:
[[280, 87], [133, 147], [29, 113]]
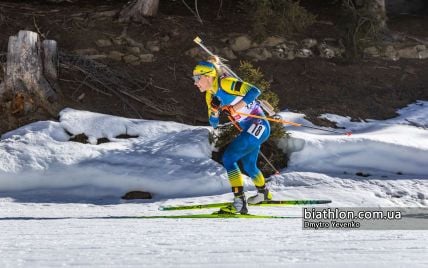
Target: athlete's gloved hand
[[215, 104], [229, 110]]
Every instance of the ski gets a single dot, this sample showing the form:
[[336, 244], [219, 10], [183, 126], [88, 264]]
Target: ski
[[264, 203], [217, 215]]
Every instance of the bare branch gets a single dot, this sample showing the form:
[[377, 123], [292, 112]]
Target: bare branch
[[196, 12]]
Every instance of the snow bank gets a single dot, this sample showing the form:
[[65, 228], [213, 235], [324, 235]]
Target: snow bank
[[167, 158], [383, 148], [171, 160]]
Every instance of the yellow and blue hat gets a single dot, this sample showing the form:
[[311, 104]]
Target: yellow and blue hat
[[205, 68]]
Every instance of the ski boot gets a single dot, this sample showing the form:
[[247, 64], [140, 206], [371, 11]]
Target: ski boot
[[239, 204], [263, 194]]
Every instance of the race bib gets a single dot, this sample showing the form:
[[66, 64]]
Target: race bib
[[256, 130]]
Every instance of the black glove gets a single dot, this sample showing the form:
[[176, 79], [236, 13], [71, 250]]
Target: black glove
[[215, 103]]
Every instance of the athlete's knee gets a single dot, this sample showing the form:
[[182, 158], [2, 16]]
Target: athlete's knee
[[252, 171], [229, 160]]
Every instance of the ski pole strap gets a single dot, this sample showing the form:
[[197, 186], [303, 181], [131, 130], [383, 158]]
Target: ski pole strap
[[233, 121]]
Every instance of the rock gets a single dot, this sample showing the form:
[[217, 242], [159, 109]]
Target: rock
[[82, 138], [254, 44], [291, 55], [147, 58], [390, 53], [410, 70], [153, 46], [116, 55], [309, 43], [86, 51], [96, 57], [423, 54], [292, 44], [134, 50], [408, 53], [137, 195], [420, 48], [287, 47], [283, 51], [165, 38], [372, 52], [259, 53], [272, 41], [278, 53], [304, 53], [107, 13], [326, 51], [228, 53], [225, 40], [198, 53], [130, 59], [104, 43], [193, 52], [240, 43], [118, 41]]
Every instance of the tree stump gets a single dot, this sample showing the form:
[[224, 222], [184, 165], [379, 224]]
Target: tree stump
[[31, 73]]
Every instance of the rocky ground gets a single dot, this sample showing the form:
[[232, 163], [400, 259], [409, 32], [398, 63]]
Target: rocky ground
[[144, 70]]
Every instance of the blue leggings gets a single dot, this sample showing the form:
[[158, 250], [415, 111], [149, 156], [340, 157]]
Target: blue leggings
[[246, 148]]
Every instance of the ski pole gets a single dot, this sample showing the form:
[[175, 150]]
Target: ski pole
[[349, 133]]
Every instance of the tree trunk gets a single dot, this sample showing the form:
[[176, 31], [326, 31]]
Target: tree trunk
[[138, 9], [378, 8], [31, 74]]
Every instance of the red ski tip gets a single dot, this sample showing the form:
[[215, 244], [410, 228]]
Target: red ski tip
[[348, 133]]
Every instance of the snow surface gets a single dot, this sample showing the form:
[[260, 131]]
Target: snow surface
[[60, 200]]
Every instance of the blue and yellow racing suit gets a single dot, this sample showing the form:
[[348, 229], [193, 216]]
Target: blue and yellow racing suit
[[246, 146]]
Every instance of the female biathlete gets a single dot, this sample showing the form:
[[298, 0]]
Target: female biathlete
[[232, 96]]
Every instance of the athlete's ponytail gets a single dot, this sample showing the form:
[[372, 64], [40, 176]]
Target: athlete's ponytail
[[214, 59]]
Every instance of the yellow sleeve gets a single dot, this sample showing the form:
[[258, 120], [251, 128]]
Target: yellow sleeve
[[235, 87]]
